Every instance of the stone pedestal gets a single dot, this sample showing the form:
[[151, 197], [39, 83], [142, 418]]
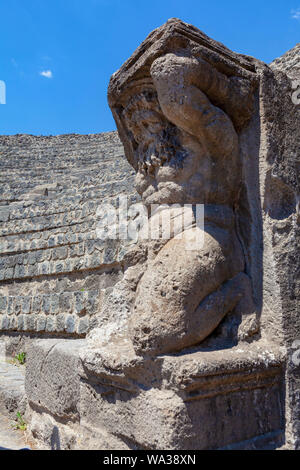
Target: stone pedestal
[[197, 400]]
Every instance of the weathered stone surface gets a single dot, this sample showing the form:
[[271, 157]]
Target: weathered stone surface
[[200, 400], [12, 391], [172, 101], [289, 63], [281, 215], [52, 381], [53, 390], [185, 349]]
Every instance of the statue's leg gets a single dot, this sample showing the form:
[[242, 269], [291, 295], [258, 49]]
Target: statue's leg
[[234, 296], [175, 285], [211, 311]]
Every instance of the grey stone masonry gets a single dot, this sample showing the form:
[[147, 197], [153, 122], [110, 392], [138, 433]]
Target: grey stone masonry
[[54, 271], [289, 62]]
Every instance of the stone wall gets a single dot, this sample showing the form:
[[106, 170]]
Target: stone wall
[[54, 273], [282, 216], [289, 62]]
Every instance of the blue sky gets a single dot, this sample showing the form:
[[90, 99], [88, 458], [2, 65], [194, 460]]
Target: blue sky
[[56, 56]]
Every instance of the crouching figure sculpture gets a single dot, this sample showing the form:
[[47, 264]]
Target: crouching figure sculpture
[[178, 360], [179, 118]]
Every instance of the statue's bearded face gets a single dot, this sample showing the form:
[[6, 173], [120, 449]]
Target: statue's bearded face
[[157, 143], [156, 140], [162, 160]]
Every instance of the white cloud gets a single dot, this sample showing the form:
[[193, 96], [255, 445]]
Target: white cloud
[[296, 14], [46, 73]]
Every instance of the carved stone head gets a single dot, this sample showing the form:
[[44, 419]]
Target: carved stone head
[[179, 103]]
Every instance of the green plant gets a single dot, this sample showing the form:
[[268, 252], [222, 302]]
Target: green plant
[[20, 422], [21, 358]]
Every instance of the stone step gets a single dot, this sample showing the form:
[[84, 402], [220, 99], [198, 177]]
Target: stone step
[[12, 388]]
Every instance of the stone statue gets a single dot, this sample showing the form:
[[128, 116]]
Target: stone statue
[[180, 128], [192, 339]]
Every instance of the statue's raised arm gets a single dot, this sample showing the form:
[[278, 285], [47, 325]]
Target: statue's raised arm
[[183, 86]]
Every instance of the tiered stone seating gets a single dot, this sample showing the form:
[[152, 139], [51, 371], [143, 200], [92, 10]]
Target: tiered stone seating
[[50, 190]]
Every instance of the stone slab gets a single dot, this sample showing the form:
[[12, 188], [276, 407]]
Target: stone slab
[[52, 377], [12, 389]]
